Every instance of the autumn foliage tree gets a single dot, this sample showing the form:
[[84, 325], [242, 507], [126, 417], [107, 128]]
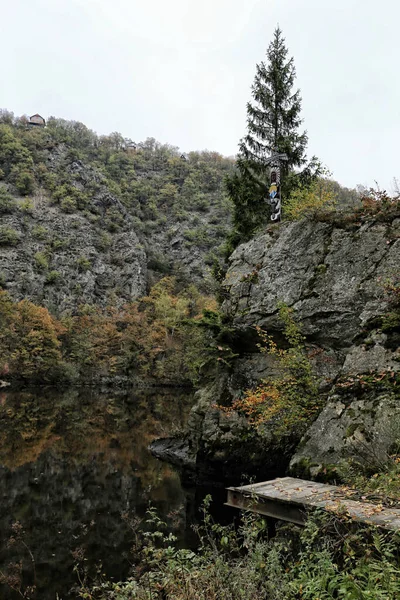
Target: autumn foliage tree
[[29, 340], [155, 337], [308, 200]]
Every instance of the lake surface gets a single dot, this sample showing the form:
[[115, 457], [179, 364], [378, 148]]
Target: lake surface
[[74, 469]]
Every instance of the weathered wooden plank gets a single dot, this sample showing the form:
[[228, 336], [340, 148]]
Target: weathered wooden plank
[[269, 508], [289, 499]]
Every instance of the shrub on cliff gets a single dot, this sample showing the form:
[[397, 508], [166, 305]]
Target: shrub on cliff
[[14, 155], [307, 201], [9, 236], [7, 202], [25, 182], [289, 401], [374, 205]]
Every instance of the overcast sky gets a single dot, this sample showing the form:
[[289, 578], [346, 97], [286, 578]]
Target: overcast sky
[[181, 71]]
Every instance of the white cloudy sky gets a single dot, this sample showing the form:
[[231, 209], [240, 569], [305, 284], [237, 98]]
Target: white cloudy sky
[[181, 71]]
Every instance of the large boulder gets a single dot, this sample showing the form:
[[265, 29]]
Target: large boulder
[[364, 428]]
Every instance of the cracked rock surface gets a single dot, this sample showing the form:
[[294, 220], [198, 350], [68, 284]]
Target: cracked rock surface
[[330, 276]]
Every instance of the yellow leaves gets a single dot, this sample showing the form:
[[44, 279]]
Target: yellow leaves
[[148, 336], [262, 404], [32, 340], [306, 201]]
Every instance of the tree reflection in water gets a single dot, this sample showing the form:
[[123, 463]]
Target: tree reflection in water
[[73, 465]]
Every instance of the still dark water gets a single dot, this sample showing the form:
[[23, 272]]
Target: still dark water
[[74, 468]]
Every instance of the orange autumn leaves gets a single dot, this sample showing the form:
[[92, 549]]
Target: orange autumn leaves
[[151, 337], [289, 400], [29, 338]]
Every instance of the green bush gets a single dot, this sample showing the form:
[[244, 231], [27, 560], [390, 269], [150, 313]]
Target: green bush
[[307, 201], [68, 205], [53, 277], [27, 206], [57, 244], [15, 158], [103, 241], [70, 197], [9, 236], [114, 220], [40, 232], [42, 261], [7, 202], [328, 559], [83, 264], [25, 183]]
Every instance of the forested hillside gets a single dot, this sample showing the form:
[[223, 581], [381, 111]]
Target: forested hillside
[[106, 251], [103, 197]]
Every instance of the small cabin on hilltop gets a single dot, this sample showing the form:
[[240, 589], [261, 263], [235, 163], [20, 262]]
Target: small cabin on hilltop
[[129, 145], [36, 121]]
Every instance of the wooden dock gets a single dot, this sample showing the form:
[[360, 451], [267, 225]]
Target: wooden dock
[[290, 499]]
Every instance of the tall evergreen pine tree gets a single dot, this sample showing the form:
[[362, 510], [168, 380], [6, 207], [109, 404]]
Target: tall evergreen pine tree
[[273, 123]]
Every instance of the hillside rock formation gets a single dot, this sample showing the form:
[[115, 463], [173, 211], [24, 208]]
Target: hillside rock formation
[[84, 219], [329, 275], [61, 260], [333, 276]]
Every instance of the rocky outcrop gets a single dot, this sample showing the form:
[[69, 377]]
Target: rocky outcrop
[[220, 446], [62, 257], [62, 260], [332, 276], [364, 428], [74, 241]]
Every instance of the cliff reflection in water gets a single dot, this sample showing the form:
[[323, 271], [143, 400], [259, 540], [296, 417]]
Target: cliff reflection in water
[[72, 464]]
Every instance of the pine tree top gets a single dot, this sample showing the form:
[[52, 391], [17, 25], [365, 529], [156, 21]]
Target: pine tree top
[[274, 115]]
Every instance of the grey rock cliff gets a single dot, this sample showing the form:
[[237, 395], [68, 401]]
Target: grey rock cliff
[[332, 276], [63, 260], [95, 249], [329, 275], [363, 428]]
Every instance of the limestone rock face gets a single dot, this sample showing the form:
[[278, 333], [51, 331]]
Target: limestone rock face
[[333, 278], [330, 276], [62, 260], [96, 249], [83, 272]]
